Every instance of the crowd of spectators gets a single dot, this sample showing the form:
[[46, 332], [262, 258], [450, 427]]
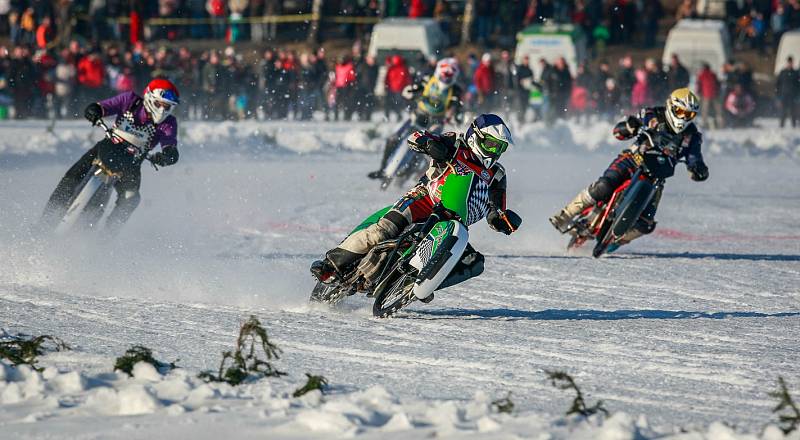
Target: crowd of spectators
[[52, 68], [495, 22], [283, 84]]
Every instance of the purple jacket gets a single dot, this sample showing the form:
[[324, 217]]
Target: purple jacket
[[123, 106]]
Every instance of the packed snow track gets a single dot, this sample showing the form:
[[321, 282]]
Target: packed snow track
[[688, 326]]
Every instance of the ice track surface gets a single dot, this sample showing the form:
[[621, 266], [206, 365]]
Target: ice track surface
[[686, 327]]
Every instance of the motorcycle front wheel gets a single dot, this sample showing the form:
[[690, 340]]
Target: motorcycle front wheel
[[395, 290]]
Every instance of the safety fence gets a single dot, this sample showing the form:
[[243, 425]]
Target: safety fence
[[265, 19]]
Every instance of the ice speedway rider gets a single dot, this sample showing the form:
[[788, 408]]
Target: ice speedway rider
[[475, 152], [142, 122], [437, 100], [673, 121]]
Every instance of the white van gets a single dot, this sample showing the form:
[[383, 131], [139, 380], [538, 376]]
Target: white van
[[408, 37], [551, 41], [697, 42], [710, 8], [789, 46]]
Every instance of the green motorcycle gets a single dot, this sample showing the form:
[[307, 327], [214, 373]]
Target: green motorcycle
[[411, 267]]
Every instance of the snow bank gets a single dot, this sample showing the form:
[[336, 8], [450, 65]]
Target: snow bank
[[28, 396], [252, 138], [766, 140]]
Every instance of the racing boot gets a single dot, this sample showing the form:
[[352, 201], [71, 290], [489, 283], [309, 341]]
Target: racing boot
[[335, 264], [323, 271], [377, 174], [388, 149], [563, 219]]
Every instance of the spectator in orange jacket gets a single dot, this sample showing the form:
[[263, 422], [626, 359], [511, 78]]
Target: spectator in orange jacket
[[44, 33]]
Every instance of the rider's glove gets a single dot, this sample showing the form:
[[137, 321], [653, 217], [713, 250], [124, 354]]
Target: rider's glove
[[166, 157], [698, 172], [93, 112], [633, 124], [426, 143], [504, 221], [158, 159]]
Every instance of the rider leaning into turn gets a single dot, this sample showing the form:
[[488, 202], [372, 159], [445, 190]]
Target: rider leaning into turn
[[475, 152], [672, 122], [143, 123], [437, 98]]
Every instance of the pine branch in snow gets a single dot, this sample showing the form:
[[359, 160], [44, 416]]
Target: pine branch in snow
[[21, 350], [564, 381], [313, 383], [243, 360], [790, 419], [140, 353], [504, 405], [372, 133]]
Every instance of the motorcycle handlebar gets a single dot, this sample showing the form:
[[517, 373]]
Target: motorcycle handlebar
[[102, 124], [110, 132], [652, 143]]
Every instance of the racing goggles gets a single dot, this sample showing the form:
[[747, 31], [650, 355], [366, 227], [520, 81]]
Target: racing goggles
[[682, 113], [163, 105], [166, 100], [492, 146]]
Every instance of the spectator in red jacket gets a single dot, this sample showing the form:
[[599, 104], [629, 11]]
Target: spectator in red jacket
[[484, 81], [345, 83], [417, 9], [397, 78], [708, 89], [91, 77]]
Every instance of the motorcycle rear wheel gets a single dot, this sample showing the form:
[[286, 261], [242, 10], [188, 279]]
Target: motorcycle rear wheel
[[330, 294]]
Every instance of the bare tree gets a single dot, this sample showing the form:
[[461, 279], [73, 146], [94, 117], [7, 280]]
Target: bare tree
[[316, 13], [469, 15]]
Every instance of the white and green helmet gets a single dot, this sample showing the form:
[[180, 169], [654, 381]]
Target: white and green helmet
[[488, 137]]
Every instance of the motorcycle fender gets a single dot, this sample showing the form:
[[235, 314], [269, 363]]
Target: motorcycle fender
[[636, 199], [437, 254], [371, 220]]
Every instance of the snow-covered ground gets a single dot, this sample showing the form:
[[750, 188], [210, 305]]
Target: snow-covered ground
[[681, 334]]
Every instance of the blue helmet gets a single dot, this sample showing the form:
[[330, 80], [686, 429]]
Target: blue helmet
[[488, 137]]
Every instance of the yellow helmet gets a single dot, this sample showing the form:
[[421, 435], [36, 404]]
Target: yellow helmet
[[682, 107]]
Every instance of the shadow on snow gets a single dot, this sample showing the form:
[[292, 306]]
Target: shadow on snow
[[592, 315], [717, 256], [667, 255]]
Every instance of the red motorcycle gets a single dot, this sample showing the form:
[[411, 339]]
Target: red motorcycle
[[608, 222]]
